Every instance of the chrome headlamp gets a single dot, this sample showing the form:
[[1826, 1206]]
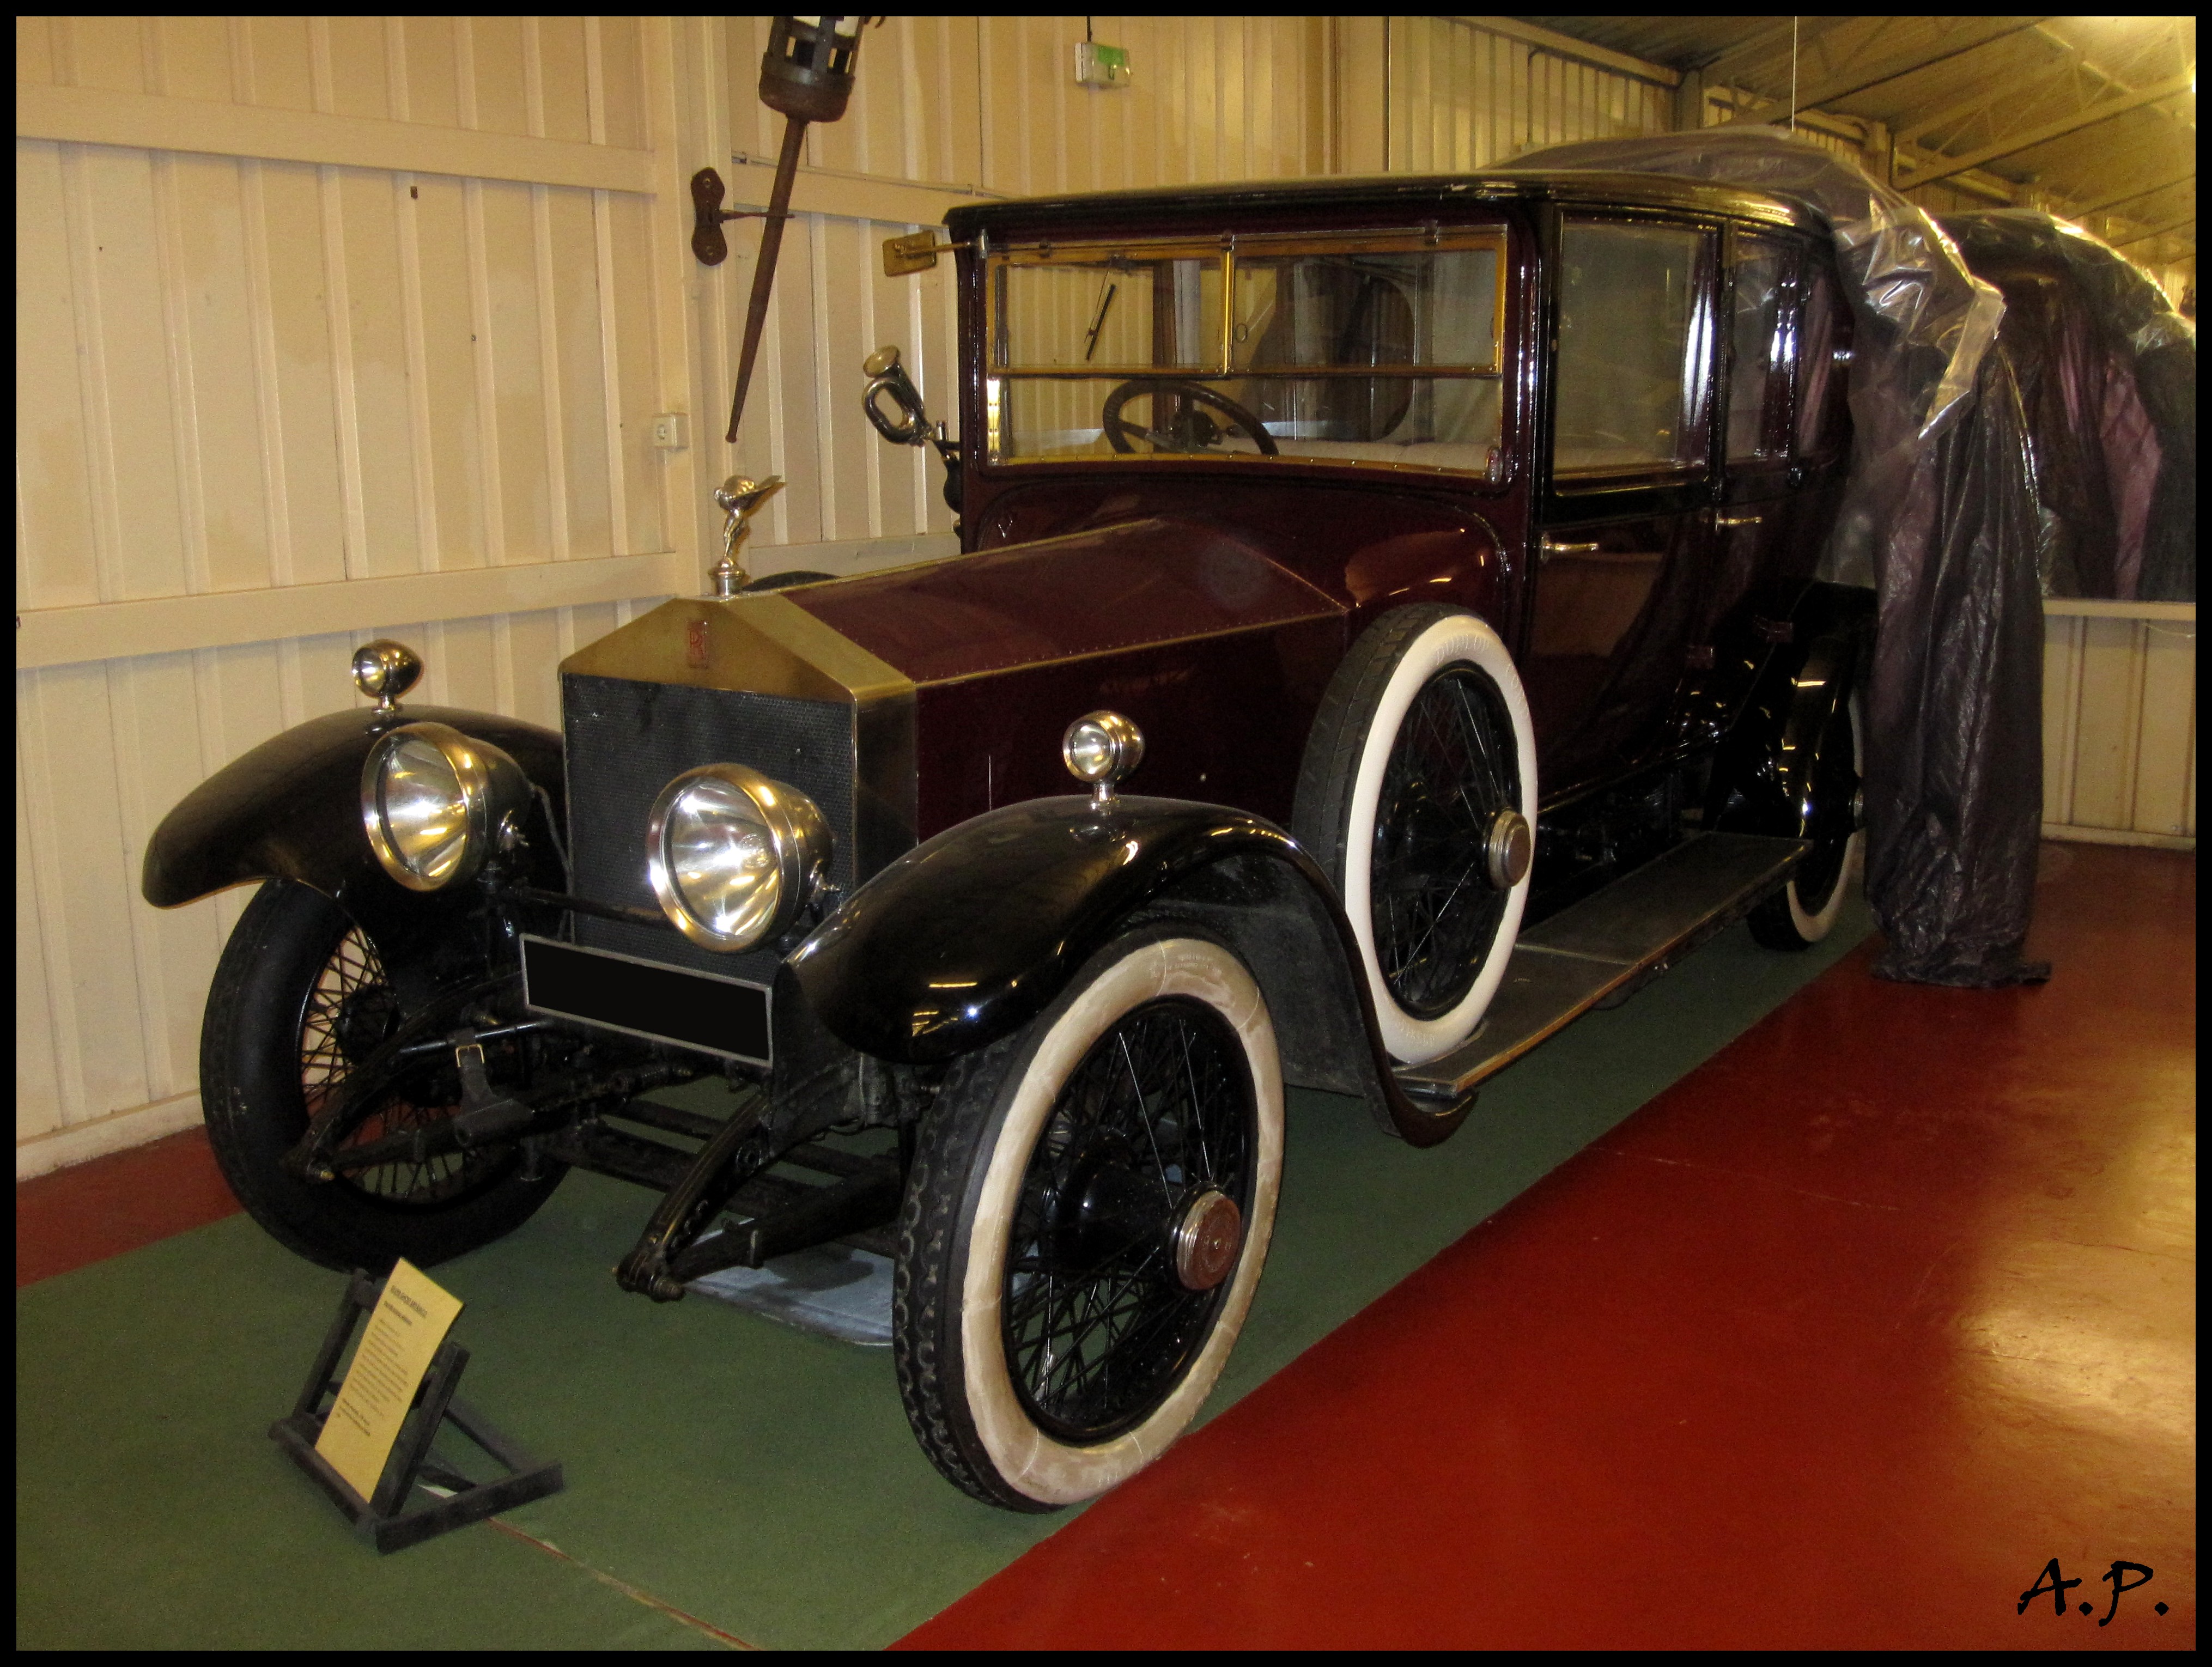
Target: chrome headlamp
[[733, 856], [436, 803]]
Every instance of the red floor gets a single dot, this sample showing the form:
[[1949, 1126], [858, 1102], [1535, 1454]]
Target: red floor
[[1839, 1341], [114, 1205]]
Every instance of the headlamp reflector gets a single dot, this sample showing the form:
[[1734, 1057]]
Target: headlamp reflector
[[432, 800], [733, 856]]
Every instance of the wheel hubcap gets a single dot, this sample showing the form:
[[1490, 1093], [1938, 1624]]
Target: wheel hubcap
[[1206, 1241], [1511, 847]]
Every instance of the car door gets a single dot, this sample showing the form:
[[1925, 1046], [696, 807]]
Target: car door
[[1742, 606], [1785, 443], [1624, 522]]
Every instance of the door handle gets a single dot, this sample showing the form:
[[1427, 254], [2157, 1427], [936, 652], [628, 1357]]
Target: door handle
[[1747, 520], [1552, 547]]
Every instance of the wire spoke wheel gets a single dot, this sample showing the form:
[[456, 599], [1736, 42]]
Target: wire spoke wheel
[[1451, 771], [1098, 1326], [351, 1012], [1087, 1214], [1417, 796], [302, 999]]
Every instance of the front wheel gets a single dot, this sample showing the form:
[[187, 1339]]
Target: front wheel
[[1086, 1221], [300, 998]]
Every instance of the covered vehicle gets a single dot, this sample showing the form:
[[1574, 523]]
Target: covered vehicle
[[2108, 375], [1416, 575]]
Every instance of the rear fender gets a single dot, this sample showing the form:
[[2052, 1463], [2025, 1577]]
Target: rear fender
[[973, 934], [290, 809]]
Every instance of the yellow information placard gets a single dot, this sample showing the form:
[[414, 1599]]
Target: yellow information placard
[[411, 1320]]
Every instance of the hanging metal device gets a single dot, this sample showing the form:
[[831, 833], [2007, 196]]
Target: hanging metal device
[[806, 76]]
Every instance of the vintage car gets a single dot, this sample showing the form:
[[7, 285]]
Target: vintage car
[[1416, 576]]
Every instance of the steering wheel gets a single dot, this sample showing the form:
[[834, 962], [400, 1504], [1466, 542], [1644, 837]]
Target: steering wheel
[[1193, 430]]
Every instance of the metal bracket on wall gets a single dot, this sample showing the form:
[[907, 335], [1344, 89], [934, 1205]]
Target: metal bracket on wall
[[706, 240]]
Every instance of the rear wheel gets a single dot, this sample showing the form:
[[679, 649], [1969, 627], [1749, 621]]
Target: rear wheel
[[1805, 909], [1418, 797], [1086, 1222], [300, 998]]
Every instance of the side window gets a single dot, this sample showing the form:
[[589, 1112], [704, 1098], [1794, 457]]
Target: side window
[[1630, 387], [1758, 273], [1818, 342]]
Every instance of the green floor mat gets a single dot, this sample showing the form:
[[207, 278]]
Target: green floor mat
[[758, 1478]]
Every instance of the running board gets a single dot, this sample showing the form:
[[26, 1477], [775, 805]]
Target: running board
[[1600, 951]]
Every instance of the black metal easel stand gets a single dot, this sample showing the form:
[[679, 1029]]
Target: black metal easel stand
[[381, 1520]]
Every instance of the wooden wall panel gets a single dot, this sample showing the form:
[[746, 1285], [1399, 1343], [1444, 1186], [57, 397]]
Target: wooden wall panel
[[285, 374], [2166, 771], [2119, 722], [2106, 728], [238, 374]]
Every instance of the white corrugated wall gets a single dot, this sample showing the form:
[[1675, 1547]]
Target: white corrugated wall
[[1462, 96]]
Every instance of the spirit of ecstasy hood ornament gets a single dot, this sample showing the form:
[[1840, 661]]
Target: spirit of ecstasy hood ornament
[[740, 499]]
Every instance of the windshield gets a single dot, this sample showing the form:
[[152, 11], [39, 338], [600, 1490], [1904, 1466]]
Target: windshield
[[1370, 348]]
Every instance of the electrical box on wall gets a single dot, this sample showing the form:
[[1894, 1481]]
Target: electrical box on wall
[[1101, 66]]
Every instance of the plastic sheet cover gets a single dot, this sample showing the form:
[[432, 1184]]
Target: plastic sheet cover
[[1940, 518], [2107, 374]]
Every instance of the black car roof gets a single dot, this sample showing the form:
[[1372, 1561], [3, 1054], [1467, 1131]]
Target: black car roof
[[1210, 204]]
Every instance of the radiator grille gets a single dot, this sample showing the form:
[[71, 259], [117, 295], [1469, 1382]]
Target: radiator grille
[[627, 739]]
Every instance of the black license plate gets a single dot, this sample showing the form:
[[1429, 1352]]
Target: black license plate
[[727, 1016]]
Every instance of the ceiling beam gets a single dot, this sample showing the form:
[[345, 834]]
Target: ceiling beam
[[2157, 231], [1966, 38], [2013, 90], [2167, 88], [2133, 193]]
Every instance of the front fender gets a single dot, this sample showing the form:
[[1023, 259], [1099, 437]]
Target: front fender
[[290, 809], [974, 933]]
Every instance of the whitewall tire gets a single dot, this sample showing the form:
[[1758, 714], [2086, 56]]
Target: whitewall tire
[[1086, 1219], [1423, 740], [1807, 906]]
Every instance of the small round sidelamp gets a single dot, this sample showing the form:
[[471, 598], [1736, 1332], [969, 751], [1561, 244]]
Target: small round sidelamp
[[1509, 849], [1207, 1241], [384, 670], [433, 802], [1103, 748], [733, 856]]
